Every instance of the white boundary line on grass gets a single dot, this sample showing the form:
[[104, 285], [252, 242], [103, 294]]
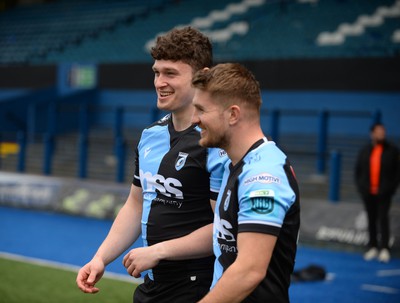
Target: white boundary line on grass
[[378, 288], [388, 272], [64, 266]]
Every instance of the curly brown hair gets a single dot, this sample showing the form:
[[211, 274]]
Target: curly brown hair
[[184, 44]]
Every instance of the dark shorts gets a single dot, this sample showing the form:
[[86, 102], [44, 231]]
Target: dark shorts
[[188, 289]]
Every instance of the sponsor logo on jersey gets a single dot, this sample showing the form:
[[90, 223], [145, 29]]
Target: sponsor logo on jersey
[[180, 160], [262, 201], [222, 153], [223, 228], [264, 178], [225, 238], [169, 202], [168, 187]]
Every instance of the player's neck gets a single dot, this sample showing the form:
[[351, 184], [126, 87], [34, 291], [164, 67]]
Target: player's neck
[[241, 142], [182, 119]]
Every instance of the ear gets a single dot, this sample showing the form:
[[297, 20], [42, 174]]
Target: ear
[[234, 114]]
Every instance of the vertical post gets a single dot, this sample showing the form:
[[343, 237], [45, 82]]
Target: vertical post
[[275, 115], [322, 141], [83, 140], [119, 147], [154, 114], [21, 139], [48, 153], [120, 153], [1, 141], [31, 122], [119, 118], [376, 116], [51, 119], [49, 138], [334, 180]]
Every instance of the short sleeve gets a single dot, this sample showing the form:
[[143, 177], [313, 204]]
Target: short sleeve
[[216, 160]]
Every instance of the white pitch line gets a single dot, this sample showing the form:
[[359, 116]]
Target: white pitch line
[[388, 272], [64, 266], [330, 276], [378, 288]]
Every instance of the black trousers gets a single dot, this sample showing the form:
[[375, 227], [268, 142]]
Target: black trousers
[[377, 209], [189, 289]]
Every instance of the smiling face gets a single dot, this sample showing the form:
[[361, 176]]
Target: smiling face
[[212, 118], [172, 81], [227, 103]]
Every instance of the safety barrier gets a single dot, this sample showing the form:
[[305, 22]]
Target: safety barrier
[[86, 113]]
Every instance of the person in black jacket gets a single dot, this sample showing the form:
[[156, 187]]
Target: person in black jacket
[[377, 175]]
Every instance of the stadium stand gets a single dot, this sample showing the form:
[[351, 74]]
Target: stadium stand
[[116, 36], [327, 69], [29, 32], [121, 31]]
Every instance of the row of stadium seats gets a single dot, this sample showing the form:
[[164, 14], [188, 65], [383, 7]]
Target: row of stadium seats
[[292, 31], [27, 32], [359, 27], [123, 30]]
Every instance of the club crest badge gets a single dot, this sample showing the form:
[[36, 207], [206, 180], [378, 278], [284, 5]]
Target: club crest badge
[[181, 160]]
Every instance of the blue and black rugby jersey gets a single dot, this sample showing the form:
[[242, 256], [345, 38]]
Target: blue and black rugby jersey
[[178, 177], [260, 194]]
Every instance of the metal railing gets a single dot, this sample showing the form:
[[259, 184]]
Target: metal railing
[[81, 116]]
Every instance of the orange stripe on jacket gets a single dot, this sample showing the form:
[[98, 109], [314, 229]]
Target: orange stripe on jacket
[[375, 168]]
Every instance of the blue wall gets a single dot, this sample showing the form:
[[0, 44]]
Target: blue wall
[[341, 103], [350, 112], [303, 106], [138, 106], [12, 93]]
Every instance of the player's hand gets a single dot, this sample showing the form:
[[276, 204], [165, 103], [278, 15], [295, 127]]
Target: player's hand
[[140, 259], [89, 275]]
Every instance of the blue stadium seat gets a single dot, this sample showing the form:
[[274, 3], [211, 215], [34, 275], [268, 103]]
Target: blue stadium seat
[[118, 31]]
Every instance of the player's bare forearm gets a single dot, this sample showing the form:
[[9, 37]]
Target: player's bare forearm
[[195, 245], [249, 268], [125, 229]]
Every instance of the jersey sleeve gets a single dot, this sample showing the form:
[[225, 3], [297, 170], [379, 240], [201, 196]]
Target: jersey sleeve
[[216, 161], [136, 176], [265, 196]]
